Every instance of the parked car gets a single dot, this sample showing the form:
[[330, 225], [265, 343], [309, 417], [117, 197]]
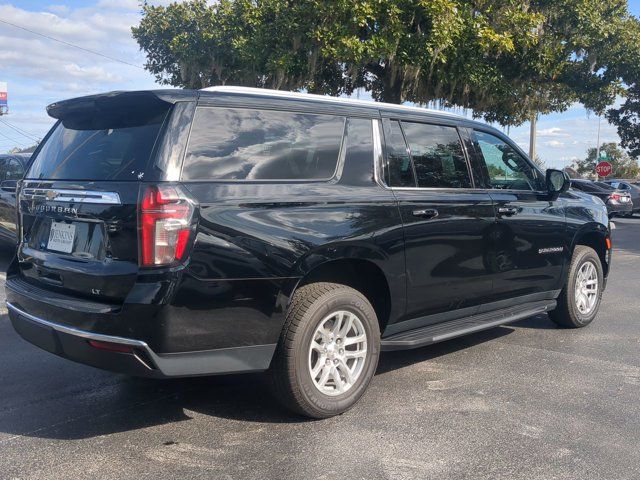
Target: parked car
[[628, 186], [617, 201], [12, 168], [179, 233]]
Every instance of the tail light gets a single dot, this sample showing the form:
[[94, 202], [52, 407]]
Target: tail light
[[615, 196], [165, 225]]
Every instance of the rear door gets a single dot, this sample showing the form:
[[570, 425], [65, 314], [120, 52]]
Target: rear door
[[529, 244], [446, 220], [78, 202]]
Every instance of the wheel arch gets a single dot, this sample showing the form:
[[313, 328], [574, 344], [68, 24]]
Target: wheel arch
[[361, 269], [594, 236]]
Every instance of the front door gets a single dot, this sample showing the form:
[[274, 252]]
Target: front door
[[529, 245], [445, 220]]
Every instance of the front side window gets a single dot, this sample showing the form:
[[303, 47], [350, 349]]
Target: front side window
[[248, 144], [506, 168], [437, 156]]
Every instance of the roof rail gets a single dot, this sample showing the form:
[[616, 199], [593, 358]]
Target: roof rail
[[322, 98]]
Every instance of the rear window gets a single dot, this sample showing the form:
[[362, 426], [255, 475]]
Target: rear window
[[99, 147], [247, 144]]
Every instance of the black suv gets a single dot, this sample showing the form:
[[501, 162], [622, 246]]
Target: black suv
[[177, 233]]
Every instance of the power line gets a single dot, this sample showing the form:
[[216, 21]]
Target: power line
[[24, 133], [71, 44], [19, 142]]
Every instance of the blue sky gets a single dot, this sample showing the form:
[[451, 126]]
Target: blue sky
[[41, 71]]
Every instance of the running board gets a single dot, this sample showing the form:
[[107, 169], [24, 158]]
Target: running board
[[439, 332]]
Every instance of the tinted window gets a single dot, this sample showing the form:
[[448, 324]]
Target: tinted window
[[84, 150], [620, 185], [437, 156], [12, 170], [507, 169], [358, 151], [398, 159], [239, 144], [602, 186], [587, 187]]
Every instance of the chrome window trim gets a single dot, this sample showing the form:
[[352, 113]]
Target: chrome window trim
[[378, 158], [70, 196]]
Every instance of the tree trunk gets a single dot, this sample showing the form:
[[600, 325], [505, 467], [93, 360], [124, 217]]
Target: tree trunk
[[392, 91]]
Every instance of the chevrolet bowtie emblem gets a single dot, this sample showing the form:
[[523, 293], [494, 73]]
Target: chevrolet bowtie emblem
[[51, 194]]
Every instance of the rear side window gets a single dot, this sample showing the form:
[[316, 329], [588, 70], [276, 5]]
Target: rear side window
[[437, 156], [11, 170], [400, 169], [247, 144], [98, 148]]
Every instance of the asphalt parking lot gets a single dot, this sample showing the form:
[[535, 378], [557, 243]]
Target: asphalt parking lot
[[522, 401]]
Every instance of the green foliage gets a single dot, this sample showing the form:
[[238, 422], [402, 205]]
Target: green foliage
[[627, 118], [624, 166], [505, 59]]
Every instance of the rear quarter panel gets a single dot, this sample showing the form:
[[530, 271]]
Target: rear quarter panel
[[255, 241]]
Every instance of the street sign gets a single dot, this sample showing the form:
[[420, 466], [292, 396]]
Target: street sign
[[4, 106], [603, 169], [603, 155]]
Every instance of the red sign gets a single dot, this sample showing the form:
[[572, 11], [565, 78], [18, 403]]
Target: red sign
[[603, 169]]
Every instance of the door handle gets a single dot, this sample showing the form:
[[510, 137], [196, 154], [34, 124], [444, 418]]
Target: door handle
[[508, 211], [426, 213]]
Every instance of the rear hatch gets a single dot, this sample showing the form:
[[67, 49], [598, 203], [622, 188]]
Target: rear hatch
[[78, 215]]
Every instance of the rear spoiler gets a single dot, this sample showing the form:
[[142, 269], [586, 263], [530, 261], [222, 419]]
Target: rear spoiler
[[153, 100]]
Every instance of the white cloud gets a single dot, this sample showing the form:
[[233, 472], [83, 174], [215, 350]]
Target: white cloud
[[120, 4], [92, 73], [554, 144], [40, 71], [58, 8], [552, 132]]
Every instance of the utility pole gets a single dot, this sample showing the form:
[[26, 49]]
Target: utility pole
[[532, 136], [598, 141]]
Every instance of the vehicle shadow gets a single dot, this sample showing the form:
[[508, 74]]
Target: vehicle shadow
[[129, 404]]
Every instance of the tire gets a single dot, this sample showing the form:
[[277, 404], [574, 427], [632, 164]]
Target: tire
[[576, 311], [291, 369]]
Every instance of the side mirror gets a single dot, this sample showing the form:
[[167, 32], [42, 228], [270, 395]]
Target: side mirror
[[557, 182], [9, 185]]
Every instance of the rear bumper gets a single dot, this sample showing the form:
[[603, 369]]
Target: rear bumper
[[617, 207], [141, 360]]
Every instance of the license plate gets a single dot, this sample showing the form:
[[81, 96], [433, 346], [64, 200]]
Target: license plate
[[61, 237]]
